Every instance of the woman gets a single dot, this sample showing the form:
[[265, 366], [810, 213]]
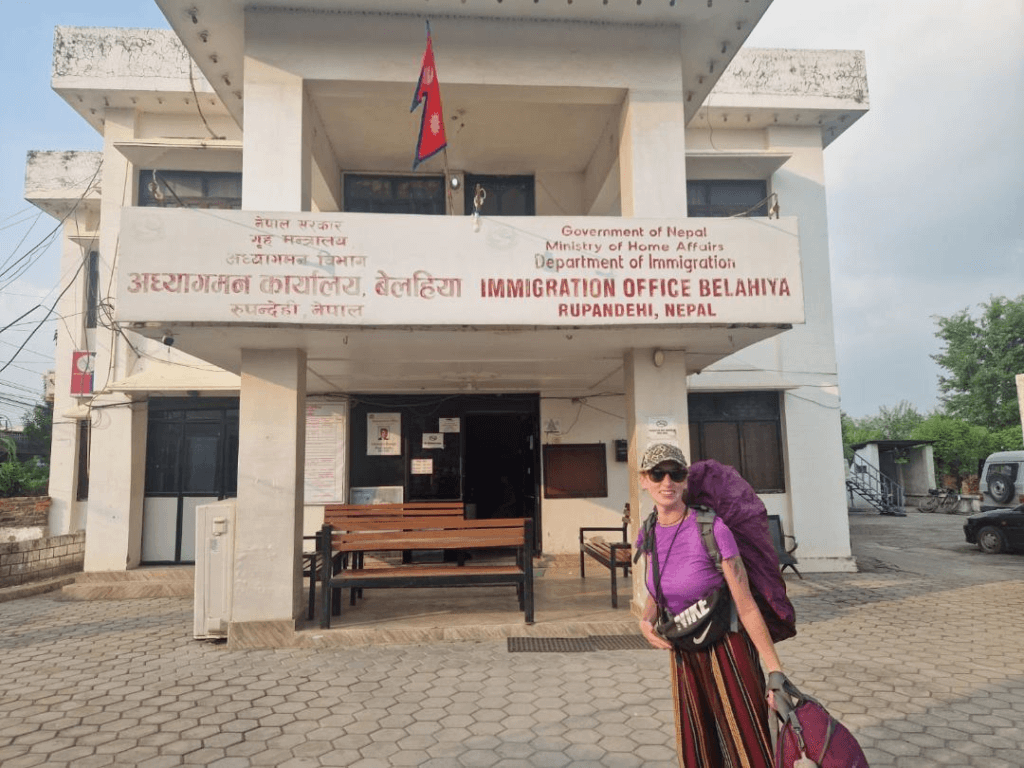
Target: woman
[[721, 704]]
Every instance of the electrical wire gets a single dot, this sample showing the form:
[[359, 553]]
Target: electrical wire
[[45, 317]]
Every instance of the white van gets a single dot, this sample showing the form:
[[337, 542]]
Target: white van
[[1002, 480]]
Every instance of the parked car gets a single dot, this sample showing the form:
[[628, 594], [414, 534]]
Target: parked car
[[998, 530], [1002, 480]]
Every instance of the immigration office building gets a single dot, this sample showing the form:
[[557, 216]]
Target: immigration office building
[[624, 241]]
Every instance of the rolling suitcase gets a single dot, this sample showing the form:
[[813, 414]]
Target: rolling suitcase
[[809, 737]]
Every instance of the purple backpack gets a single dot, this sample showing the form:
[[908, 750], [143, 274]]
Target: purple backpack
[[809, 735], [720, 487]]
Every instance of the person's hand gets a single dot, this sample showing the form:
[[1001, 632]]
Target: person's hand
[[652, 637], [771, 700]]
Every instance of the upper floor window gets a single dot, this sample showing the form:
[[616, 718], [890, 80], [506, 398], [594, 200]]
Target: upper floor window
[[724, 198], [503, 195], [190, 189], [370, 193]]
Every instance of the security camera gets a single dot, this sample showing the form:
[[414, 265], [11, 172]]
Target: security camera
[[167, 339]]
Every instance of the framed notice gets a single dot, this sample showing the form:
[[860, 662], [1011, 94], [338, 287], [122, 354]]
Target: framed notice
[[326, 430], [575, 471], [383, 434]]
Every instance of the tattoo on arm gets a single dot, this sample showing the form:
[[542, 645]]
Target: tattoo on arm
[[738, 570]]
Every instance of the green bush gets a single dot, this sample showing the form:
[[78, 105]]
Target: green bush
[[21, 478]]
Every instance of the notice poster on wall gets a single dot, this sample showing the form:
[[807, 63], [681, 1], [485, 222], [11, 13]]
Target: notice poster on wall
[[433, 440], [449, 425], [662, 429], [422, 466], [326, 428], [383, 434]]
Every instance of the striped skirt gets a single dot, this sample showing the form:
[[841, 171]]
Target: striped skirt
[[721, 710]]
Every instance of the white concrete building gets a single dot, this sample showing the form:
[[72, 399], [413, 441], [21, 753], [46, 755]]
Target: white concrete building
[[266, 285]]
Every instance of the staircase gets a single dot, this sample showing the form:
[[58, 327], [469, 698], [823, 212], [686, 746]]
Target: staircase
[[140, 582], [881, 491]]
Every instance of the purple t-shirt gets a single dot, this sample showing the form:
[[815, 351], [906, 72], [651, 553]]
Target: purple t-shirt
[[687, 573]]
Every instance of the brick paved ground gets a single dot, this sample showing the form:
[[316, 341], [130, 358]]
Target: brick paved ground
[[925, 671]]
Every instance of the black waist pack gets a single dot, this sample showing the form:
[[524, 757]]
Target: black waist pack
[[699, 626]]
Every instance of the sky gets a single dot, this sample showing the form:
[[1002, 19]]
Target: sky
[[925, 193]]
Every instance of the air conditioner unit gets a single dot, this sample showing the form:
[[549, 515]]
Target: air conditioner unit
[[215, 564]]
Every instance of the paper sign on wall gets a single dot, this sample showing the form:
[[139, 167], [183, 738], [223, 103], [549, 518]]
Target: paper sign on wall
[[383, 434], [662, 429], [326, 430], [422, 466], [449, 425], [433, 440]]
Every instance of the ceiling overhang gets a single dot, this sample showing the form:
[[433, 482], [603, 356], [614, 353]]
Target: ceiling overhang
[[183, 154], [734, 165], [434, 359], [710, 34]]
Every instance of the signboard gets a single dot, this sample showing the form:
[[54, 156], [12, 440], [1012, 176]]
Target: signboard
[[326, 428], [83, 365], [383, 434], [337, 269]]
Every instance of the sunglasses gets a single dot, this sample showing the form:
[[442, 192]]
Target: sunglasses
[[657, 475]]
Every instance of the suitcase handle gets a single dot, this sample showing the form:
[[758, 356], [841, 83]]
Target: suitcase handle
[[787, 698]]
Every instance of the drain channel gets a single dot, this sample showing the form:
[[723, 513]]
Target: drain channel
[[577, 644]]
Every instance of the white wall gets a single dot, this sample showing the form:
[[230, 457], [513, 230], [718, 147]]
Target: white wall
[[581, 422]]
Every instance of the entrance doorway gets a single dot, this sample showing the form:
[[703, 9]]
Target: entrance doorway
[[191, 459], [483, 450], [500, 476]]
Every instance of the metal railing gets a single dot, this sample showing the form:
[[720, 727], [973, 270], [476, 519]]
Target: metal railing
[[879, 490]]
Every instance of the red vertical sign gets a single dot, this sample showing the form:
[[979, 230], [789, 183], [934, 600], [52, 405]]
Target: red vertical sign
[[82, 366]]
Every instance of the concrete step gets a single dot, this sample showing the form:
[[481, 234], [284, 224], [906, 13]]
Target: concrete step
[[124, 585]]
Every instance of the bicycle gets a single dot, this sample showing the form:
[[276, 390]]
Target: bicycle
[[945, 500]]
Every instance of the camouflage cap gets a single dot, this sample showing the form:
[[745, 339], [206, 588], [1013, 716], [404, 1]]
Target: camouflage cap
[[659, 452]]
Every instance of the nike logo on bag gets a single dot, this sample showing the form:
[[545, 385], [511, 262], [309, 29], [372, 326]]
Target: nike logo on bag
[[700, 638]]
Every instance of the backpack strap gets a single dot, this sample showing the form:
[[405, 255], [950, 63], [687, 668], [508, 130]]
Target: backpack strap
[[706, 523], [647, 537]]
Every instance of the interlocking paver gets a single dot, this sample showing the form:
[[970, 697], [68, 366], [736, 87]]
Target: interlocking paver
[[123, 682]]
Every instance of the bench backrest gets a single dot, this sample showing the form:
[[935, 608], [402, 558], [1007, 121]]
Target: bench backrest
[[430, 533], [344, 515], [779, 539]]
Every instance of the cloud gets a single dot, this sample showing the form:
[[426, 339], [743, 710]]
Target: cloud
[[925, 192]]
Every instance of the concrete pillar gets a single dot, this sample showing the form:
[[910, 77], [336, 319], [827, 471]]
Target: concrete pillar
[[67, 514], [116, 483], [271, 456], [656, 411], [652, 154], [118, 437], [278, 139]]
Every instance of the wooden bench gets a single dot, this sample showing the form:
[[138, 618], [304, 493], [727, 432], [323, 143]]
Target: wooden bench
[[423, 532], [786, 559], [352, 517], [612, 555]]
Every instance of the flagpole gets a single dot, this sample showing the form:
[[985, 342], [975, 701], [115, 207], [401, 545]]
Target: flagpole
[[448, 182]]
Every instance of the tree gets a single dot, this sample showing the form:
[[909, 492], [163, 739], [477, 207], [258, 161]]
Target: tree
[[958, 445], [981, 356], [19, 478], [896, 423], [39, 428]]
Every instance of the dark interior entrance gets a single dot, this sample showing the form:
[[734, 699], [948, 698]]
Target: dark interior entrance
[[482, 450], [499, 479]]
